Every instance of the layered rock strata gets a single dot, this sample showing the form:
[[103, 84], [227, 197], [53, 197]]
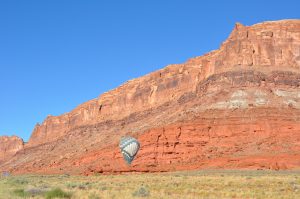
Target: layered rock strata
[[9, 145], [235, 107]]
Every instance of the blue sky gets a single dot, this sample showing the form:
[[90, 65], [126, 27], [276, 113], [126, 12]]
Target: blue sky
[[55, 55]]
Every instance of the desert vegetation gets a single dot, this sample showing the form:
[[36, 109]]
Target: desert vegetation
[[192, 184]]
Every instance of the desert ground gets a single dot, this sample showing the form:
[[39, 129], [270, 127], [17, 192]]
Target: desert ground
[[184, 184]]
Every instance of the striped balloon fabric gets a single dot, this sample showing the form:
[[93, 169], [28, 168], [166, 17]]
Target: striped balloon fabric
[[129, 147]]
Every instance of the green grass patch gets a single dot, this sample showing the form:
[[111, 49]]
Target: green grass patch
[[57, 193], [20, 193]]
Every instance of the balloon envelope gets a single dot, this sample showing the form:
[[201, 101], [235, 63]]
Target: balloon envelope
[[129, 147]]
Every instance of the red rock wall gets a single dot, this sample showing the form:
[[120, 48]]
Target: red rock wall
[[9, 146], [273, 44], [244, 139], [235, 107]]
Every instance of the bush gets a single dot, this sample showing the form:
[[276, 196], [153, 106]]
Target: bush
[[141, 192], [82, 186], [17, 181], [57, 193], [29, 192], [20, 193], [35, 191]]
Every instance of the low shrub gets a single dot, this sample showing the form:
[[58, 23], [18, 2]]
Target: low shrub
[[20, 193], [32, 192], [57, 193], [17, 181], [141, 192], [35, 191]]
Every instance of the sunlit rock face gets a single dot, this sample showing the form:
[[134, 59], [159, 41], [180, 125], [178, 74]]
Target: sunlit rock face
[[9, 146], [235, 107]]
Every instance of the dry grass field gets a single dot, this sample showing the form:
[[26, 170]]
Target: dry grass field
[[187, 184]]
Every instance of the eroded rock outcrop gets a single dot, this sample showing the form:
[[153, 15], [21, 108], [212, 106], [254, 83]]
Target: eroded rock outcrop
[[9, 146], [235, 107]]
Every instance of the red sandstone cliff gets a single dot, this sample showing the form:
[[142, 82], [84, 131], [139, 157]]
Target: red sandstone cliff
[[9, 146], [235, 107]]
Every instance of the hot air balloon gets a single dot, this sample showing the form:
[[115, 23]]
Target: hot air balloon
[[129, 147]]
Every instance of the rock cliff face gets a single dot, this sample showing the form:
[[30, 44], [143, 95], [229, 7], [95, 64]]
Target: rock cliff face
[[235, 107], [9, 146], [270, 44]]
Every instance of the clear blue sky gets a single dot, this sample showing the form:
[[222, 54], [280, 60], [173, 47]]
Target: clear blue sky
[[57, 54]]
